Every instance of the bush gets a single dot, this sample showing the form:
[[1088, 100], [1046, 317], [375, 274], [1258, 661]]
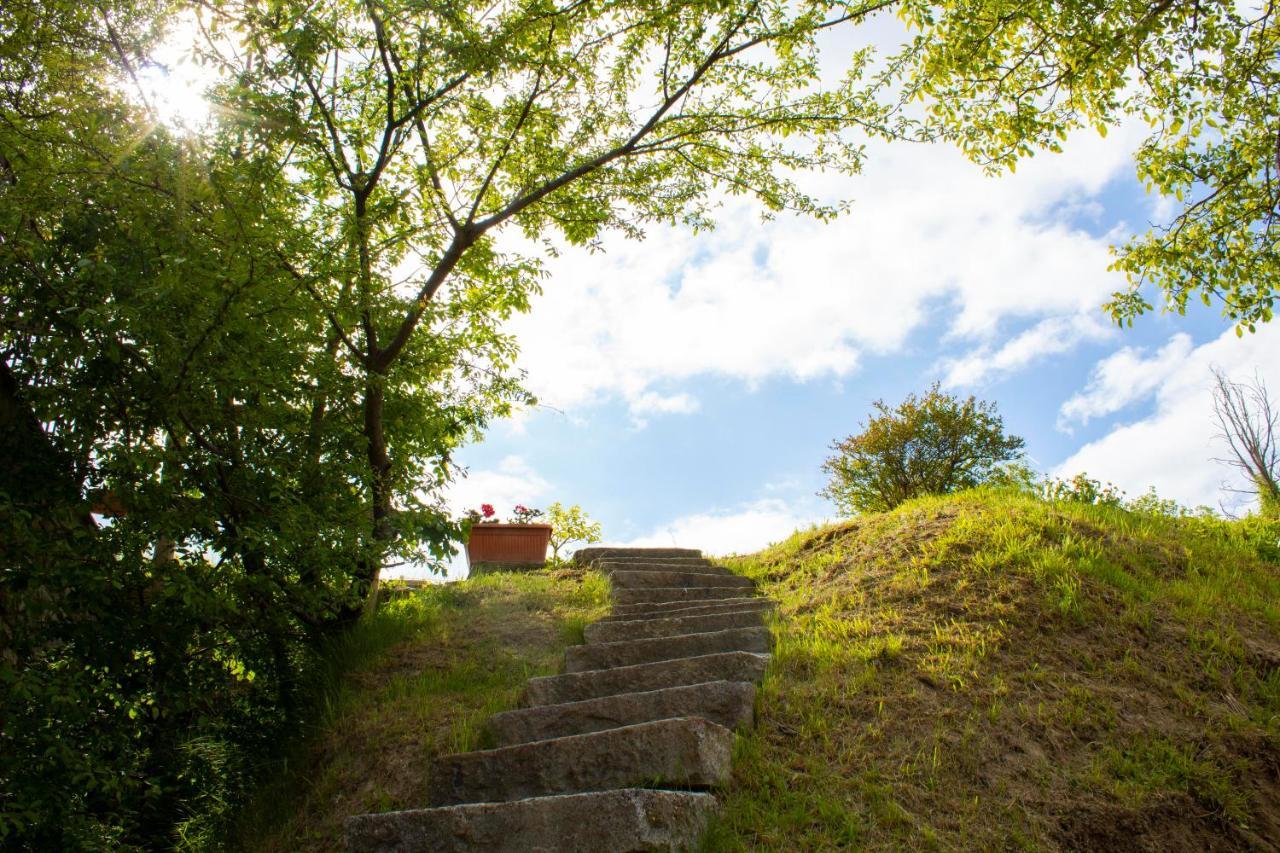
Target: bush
[[936, 444]]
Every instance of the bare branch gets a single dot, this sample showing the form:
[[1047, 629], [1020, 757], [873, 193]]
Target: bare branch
[[1247, 423]]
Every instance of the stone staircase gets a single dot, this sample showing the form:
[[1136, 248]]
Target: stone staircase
[[617, 753]]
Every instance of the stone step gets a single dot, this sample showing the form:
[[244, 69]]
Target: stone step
[[631, 579], [587, 555], [725, 703], [627, 821], [669, 561], [666, 610], [646, 629], [683, 752], [575, 686], [626, 653], [658, 595], [698, 568]]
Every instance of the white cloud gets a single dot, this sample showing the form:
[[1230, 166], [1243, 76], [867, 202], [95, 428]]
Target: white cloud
[[1173, 449], [513, 482], [800, 299], [737, 531], [1124, 378], [653, 403], [1048, 337]]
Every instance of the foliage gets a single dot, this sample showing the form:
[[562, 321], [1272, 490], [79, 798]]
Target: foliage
[[570, 525], [935, 444], [432, 132], [157, 348], [1083, 489], [1004, 80], [1016, 475], [913, 647]]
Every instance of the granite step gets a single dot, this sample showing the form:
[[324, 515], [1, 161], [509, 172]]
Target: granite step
[[662, 594], [586, 555], [725, 703], [670, 609], [633, 579], [639, 678], [695, 568], [674, 626], [624, 821], [625, 653], [671, 561], [683, 752]]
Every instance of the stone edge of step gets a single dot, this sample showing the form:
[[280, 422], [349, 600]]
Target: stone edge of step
[[744, 659], [720, 689], [699, 755], [679, 625], [590, 661], [638, 818], [679, 609]]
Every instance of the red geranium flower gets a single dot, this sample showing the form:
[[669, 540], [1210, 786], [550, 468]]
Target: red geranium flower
[[486, 510]]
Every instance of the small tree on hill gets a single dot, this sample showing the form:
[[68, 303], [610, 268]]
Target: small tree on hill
[[935, 444], [570, 525]]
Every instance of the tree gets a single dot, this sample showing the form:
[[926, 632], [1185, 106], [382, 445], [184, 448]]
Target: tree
[[570, 525], [1247, 424], [156, 344], [931, 445], [1005, 80], [431, 135]]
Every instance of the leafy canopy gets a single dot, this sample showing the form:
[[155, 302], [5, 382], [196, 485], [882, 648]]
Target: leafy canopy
[[1004, 79], [433, 146], [930, 445]]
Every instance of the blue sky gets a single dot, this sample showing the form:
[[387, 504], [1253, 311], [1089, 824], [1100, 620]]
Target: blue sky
[[693, 384]]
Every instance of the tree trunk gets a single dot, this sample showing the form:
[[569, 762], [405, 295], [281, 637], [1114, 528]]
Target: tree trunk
[[35, 472], [379, 483]]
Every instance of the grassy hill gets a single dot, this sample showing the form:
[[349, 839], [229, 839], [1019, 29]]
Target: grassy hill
[[990, 671], [984, 671]]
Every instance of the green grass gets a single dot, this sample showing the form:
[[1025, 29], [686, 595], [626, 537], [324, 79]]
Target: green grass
[[412, 683], [991, 671]]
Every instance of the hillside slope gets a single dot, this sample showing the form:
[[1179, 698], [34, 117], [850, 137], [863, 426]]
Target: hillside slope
[[410, 685], [989, 671]]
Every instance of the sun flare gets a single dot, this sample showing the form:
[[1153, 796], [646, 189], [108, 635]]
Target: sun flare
[[173, 83]]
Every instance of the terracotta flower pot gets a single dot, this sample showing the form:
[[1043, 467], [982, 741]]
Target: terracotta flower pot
[[506, 547]]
